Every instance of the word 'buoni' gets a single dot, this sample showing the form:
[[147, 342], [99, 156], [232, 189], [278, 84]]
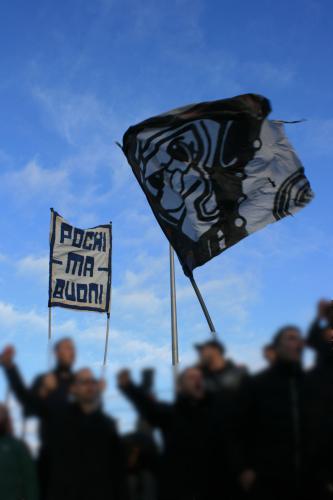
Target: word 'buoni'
[[91, 293]]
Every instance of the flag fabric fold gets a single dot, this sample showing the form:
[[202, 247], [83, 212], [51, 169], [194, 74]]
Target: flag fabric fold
[[215, 172]]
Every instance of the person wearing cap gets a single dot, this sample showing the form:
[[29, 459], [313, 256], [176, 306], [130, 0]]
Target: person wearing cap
[[219, 373], [271, 434]]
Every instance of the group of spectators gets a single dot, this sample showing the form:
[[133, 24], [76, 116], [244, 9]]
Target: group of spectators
[[227, 435]]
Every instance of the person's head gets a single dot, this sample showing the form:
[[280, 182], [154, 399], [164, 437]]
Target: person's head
[[328, 336], [64, 351], [190, 383], [288, 344], [5, 422], [269, 353], [86, 389], [211, 353]]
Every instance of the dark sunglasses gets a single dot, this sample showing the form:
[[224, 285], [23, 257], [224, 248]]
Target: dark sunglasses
[[87, 381]]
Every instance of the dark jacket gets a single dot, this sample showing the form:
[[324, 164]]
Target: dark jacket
[[272, 430], [142, 458], [228, 379], [225, 387], [17, 471], [86, 459], [319, 423], [82, 458], [190, 431], [57, 398], [55, 402]]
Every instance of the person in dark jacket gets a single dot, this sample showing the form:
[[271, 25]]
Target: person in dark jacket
[[189, 435], [219, 373], [86, 458], [319, 407], [142, 454], [18, 478], [142, 460], [272, 430], [53, 387]]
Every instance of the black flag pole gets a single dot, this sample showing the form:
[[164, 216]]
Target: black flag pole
[[174, 326], [203, 305], [7, 396]]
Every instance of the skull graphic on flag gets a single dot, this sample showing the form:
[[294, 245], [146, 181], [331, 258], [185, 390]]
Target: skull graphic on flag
[[215, 172]]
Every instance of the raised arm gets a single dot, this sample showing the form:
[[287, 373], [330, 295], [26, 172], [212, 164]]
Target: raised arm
[[31, 403], [323, 320], [156, 413]]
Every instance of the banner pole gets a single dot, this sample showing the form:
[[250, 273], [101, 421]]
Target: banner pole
[[174, 326], [106, 346], [7, 396], [50, 325], [49, 343], [203, 305]]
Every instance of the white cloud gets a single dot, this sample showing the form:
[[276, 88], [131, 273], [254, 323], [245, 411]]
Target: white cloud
[[144, 300], [140, 291], [34, 266], [74, 114], [236, 291], [277, 74], [11, 317], [34, 180]]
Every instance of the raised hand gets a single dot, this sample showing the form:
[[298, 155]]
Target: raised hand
[[7, 356], [124, 378]]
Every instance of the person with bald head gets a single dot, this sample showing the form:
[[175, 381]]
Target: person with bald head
[[83, 457], [18, 479], [189, 431], [86, 456]]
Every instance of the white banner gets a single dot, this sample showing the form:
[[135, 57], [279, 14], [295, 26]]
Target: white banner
[[80, 266]]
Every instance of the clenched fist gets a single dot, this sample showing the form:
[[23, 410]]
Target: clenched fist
[[7, 356], [124, 378], [49, 384]]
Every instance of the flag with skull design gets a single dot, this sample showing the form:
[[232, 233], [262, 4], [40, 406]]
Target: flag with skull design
[[215, 172]]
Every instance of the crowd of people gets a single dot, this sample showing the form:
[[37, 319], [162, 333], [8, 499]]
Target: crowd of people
[[227, 435]]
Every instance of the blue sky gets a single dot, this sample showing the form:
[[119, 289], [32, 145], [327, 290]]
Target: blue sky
[[74, 76]]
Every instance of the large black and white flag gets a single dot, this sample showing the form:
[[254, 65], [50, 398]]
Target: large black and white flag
[[80, 266], [216, 172]]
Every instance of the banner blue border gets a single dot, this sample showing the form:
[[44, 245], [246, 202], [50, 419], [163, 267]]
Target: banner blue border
[[54, 216]]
